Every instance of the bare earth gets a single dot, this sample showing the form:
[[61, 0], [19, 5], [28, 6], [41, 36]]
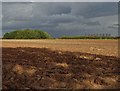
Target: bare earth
[[102, 47], [61, 64]]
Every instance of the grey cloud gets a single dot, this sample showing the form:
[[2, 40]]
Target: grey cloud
[[91, 23], [51, 8], [60, 1], [0, 23], [16, 0], [58, 18], [16, 11], [64, 18], [114, 26], [95, 9]]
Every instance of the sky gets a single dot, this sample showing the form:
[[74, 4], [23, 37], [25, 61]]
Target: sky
[[60, 0], [58, 18]]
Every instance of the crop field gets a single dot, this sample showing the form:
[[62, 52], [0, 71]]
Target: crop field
[[102, 47], [59, 63]]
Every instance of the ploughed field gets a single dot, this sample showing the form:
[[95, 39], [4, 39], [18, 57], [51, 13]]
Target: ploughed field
[[70, 64]]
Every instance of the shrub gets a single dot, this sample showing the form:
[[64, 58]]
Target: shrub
[[27, 34]]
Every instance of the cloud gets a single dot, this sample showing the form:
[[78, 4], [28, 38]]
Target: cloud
[[95, 23], [60, 1], [95, 9], [0, 19], [16, 11], [114, 26], [60, 18]]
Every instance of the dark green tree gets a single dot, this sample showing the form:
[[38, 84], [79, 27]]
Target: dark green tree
[[27, 34]]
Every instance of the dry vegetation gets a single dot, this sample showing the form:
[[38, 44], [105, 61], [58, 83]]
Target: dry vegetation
[[102, 47]]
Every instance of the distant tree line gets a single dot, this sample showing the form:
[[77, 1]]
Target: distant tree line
[[27, 34], [87, 37], [39, 34]]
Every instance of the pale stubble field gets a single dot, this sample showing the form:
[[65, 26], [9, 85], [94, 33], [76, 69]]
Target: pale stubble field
[[102, 47]]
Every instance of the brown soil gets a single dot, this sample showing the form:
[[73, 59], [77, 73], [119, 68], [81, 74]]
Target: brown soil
[[38, 68]]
